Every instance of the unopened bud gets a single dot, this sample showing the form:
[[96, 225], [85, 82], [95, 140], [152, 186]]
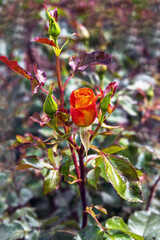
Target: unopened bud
[[54, 29], [105, 103], [50, 106]]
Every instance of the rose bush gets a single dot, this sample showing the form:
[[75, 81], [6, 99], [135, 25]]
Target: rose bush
[[83, 107]]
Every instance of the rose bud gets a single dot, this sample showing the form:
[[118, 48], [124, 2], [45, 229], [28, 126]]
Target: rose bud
[[50, 106], [83, 107], [111, 87], [54, 28]]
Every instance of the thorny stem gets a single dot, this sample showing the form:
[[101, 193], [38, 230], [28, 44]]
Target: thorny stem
[[61, 89], [82, 188], [153, 189]]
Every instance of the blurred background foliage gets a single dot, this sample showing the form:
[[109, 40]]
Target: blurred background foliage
[[130, 31]]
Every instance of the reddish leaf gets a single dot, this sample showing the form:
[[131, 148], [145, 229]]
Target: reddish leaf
[[35, 83], [15, 67], [32, 142], [87, 59], [25, 145], [45, 41], [40, 75], [74, 62], [42, 121]]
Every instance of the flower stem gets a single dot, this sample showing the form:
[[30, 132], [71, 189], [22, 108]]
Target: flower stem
[[152, 191], [97, 128], [82, 188], [75, 161], [68, 80], [61, 89]]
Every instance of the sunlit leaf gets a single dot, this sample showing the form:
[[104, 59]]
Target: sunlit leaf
[[33, 162], [124, 178], [21, 139], [117, 223], [100, 208], [146, 224], [55, 160], [11, 231], [113, 149], [93, 176], [51, 181]]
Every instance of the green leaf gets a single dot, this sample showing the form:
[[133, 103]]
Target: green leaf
[[51, 181], [100, 208], [100, 163], [113, 149], [90, 233], [64, 169], [25, 195], [21, 212], [33, 235], [123, 177], [55, 160], [117, 223], [5, 177], [128, 104], [120, 236], [12, 231], [33, 162], [93, 176], [146, 224]]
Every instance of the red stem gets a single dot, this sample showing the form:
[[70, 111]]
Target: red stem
[[80, 174], [75, 161], [61, 89], [68, 80], [82, 188], [153, 189]]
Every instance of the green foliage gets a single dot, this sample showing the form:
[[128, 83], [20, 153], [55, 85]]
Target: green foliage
[[146, 224], [90, 233], [11, 231], [117, 223], [51, 181], [93, 176]]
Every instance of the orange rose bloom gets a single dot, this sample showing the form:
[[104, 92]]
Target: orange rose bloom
[[83, 107]]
